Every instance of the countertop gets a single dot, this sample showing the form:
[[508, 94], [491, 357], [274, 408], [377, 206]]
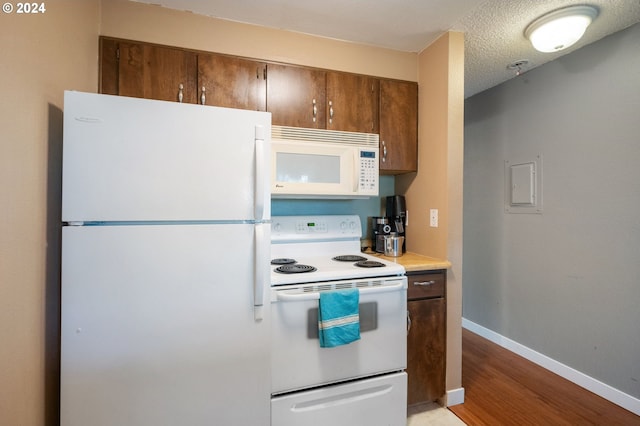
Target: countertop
[[415, 262]]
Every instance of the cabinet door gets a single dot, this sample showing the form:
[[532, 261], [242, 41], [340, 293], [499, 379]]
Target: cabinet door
[[109, 56], [232, 82], [296, 96], [352, 102], [426, 342], [156, 72], [398, 126]]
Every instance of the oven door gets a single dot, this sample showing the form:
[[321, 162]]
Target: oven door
[[299, 362]]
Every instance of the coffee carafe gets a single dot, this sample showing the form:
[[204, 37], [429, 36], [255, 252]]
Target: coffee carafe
[[397, 214]]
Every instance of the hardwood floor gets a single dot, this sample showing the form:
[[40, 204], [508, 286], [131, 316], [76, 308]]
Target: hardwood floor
[[502, 388]]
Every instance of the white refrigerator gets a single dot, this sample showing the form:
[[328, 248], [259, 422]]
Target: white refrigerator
[[165, 264]]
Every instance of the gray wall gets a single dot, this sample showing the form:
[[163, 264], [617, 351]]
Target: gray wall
[[565, 283]]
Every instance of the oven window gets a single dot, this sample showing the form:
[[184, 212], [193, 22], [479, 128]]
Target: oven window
[[307, 168], [367, 311]]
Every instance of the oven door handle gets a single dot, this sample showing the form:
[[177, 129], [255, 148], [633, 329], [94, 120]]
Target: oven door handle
[[284, 297]]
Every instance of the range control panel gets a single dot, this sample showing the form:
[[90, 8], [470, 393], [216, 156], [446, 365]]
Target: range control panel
[[330, 227]]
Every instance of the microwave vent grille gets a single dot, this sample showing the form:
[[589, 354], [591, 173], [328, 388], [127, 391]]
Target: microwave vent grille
[[300, 134]]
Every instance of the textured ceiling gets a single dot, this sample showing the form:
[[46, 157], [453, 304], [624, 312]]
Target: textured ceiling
[[493, 28], [494, 36]]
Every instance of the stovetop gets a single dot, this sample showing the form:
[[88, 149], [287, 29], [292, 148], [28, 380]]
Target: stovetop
[[309, 244]]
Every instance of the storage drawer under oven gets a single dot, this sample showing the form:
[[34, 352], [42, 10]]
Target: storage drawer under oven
[[297, 359], [376, 401]]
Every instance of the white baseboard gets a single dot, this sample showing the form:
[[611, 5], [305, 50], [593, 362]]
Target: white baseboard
[[609, 393], [453, 397]]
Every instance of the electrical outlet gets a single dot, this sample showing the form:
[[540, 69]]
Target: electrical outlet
[[433, 218]]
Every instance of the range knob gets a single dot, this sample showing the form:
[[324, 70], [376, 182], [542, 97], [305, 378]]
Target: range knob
[[348, 226]]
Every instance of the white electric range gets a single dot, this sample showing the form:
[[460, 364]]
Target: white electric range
[[362, 382]]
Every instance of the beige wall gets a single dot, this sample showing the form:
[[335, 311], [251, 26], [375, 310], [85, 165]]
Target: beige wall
[[42, 55], [438, 182], [138, 21]]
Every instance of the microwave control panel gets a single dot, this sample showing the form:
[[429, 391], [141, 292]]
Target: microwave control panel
[[368, 172]]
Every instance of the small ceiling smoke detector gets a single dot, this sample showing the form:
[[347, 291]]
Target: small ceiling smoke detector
[[561, 28], [518, 66]]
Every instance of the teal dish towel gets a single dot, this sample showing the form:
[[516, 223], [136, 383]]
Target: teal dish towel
[[338, 317]]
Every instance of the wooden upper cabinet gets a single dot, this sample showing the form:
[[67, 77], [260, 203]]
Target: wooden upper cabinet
[[352, 102], [109, 58], [398, 126], [296, 96], [156, 72], [232, 82]]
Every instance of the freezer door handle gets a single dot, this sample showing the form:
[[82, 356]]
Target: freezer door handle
[[260, 181]]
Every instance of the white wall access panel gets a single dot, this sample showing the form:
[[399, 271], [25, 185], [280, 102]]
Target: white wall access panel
[[523, 185]]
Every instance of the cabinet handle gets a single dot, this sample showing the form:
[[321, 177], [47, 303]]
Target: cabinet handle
[[408, 322], [384, 152], [315, 110], [180, 95], [330, 112], [424, 283], [203, 96]]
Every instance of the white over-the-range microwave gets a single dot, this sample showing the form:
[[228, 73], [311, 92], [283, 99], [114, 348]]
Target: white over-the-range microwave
[[318, 163]]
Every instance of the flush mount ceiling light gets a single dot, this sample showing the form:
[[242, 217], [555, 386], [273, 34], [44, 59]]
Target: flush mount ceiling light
[[561, 28]]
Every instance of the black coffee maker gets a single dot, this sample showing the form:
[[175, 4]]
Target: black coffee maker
[[380, 227], [397, 214]]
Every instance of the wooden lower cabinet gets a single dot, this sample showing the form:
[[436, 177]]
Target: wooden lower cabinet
[[426, 339]]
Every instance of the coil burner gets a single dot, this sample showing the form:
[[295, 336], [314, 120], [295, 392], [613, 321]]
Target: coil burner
[[349, 258], [370, 264], [283, 261], [295, 269]]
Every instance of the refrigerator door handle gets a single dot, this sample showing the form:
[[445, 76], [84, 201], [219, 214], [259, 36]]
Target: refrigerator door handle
[[261, 272], [260, 181]]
